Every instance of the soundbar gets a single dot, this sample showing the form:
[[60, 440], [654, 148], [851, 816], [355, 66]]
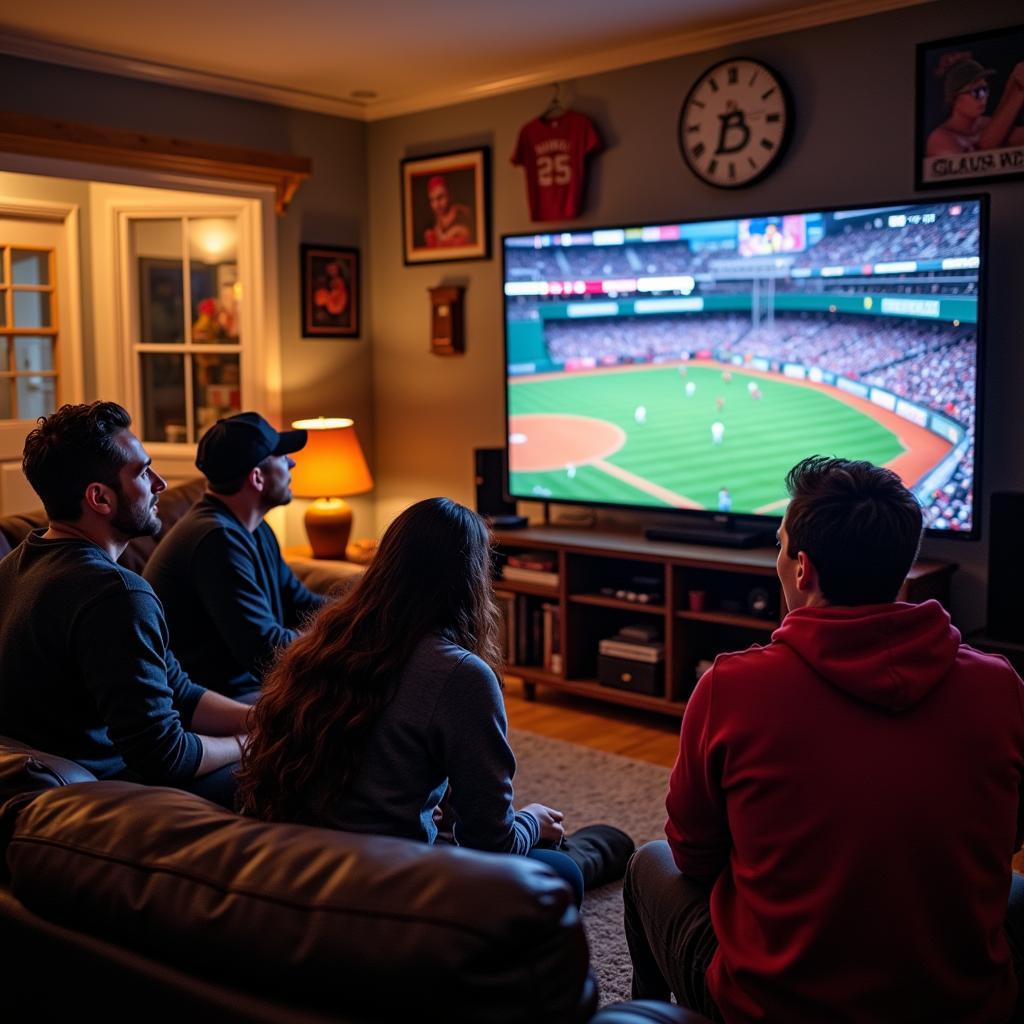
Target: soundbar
[[722, 535]]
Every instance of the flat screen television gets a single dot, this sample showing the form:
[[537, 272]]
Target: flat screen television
[[689, 365]]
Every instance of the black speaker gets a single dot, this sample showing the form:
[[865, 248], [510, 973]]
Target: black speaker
[[1006, 568], [491, 500]]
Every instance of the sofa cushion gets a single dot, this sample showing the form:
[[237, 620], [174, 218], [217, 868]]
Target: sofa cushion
[[174, 503], [15, 528], [329, 918]]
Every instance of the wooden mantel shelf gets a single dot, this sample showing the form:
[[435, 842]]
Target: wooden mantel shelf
[[67, 140]]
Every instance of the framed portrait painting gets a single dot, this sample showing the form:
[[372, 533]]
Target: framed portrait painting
[[330, 292], [446, 207], [970, 109]]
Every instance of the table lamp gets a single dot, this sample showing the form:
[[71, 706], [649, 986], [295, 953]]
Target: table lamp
[[329, 468]]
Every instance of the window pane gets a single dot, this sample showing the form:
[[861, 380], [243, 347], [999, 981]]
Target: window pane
[[37, 396], [32, 309], [213, 261], [158, 252], [5, 349], [33, 354], [6, 406], [3, 304], [216, 388], [163, 396], [29, 267]]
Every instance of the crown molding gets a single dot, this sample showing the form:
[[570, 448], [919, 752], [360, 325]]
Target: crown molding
[[45, 137], [35, 48], [810, 15]]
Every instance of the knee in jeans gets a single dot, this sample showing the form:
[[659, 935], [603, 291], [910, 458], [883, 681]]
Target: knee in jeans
[[645, 856]]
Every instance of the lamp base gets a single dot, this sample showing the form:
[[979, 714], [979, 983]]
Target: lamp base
[[328, 527]]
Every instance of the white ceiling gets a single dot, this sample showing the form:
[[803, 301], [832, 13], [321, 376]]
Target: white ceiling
[[412, 54]]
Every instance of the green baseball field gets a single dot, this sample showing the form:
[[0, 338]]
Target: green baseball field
[[645, 435]]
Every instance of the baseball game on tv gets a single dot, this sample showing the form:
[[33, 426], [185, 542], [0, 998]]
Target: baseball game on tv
[[690, 365]]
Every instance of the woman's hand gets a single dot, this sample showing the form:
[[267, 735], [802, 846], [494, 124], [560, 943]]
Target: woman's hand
[[550, 821]]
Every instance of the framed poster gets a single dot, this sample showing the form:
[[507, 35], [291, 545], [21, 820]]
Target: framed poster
[[446, 207], [330, 292], [970, 101]]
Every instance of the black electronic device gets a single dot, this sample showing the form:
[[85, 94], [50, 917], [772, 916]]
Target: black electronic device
[[761, 603], [491, 500], [724, 532], [1006, 567], [629, 674]]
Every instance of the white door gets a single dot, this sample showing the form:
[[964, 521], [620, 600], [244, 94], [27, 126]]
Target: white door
[[40, 336]]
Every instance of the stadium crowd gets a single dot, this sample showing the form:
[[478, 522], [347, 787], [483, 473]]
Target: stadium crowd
[[854, 244], [873, 241], [640, 338]]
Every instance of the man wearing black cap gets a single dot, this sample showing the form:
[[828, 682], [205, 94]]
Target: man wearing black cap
[[230, 599]]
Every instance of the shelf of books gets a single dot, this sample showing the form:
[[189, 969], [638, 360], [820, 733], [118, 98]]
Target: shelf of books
[[631, 621]]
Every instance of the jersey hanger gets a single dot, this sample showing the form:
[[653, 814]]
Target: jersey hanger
[[554, 108]]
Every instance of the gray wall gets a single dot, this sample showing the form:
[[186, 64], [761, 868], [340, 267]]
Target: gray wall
[[319, 377], [853, 85]]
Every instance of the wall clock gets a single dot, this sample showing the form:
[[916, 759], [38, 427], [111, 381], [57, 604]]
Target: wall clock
[[735, 123]]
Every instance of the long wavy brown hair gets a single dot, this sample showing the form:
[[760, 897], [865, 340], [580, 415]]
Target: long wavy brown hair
[[322, 700]]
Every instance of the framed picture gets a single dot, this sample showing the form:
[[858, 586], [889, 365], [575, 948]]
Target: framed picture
[[446, 207], [970, 101], [330, 292]]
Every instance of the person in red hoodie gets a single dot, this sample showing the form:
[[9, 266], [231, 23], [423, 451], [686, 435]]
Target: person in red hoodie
[[846, 800]]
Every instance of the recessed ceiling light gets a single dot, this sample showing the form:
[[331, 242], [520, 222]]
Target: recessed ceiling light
[[363, 94]]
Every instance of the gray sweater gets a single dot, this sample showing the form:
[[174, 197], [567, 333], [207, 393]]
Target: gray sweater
[[445, 726]]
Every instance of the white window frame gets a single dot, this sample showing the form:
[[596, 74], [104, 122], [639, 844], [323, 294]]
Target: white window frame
[[115, 207]]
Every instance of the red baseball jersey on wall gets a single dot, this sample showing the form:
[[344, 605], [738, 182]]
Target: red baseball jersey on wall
[[553, 154]]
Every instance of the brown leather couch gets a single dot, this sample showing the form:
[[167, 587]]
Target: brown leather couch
[[150, 903], [174, 503], [323, 577]]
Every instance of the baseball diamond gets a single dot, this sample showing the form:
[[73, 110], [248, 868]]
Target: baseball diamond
[[577, 437]]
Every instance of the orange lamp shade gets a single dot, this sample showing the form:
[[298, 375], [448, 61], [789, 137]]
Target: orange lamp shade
[[332, 464]]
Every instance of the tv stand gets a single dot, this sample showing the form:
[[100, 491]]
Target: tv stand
[[721, 533], [702, 601]]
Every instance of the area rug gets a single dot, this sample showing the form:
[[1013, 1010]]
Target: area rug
[[589, 786]]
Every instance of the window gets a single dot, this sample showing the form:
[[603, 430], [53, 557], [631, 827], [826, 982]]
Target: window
[[188, 322], [28, 342]]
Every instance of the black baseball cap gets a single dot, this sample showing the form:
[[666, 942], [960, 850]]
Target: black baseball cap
[[233, 446]]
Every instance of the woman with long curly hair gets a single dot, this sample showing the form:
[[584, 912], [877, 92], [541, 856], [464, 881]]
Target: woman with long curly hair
[[390, 705]]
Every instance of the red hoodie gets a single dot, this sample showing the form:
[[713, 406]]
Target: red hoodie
[[854, 791]]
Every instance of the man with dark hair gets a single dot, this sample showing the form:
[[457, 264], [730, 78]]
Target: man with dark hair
[[84, 667], [230, 598], [847, 798]]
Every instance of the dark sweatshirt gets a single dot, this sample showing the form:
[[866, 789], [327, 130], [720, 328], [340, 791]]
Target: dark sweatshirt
[[230, 599], [444, 726], [853, 791], [84, 668]]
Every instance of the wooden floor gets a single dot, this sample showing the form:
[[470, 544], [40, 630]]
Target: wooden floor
[[608, 727]]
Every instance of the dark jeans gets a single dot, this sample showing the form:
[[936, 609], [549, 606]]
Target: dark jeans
[[563, 866], [671, 940], [216, 786], [668, 929]]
